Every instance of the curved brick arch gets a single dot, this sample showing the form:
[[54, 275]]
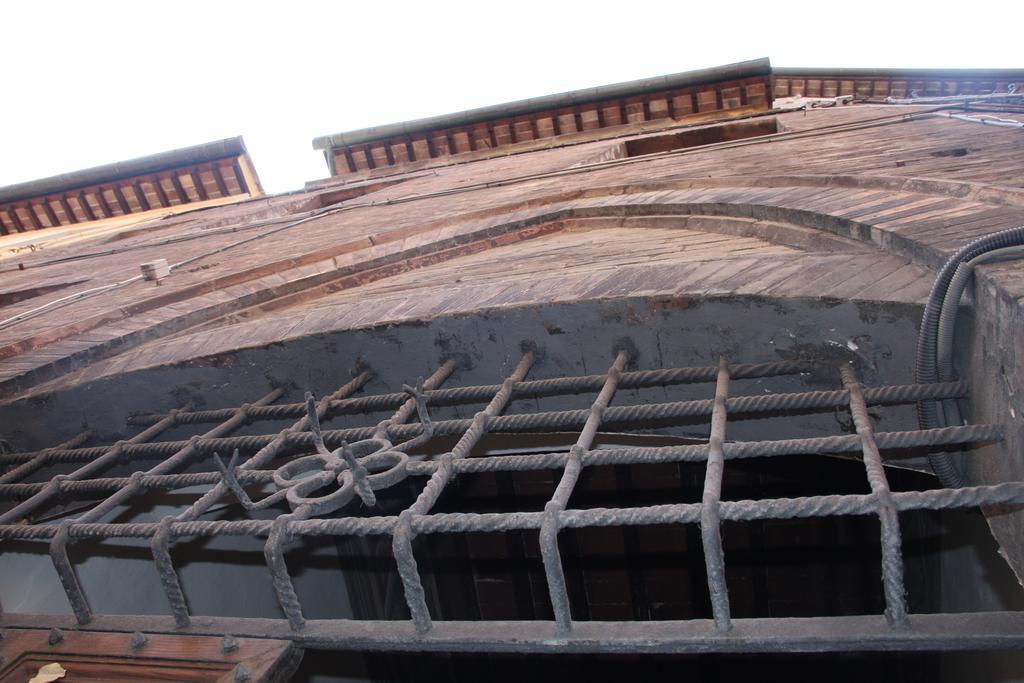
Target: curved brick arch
[[820, 213], [980, 192]]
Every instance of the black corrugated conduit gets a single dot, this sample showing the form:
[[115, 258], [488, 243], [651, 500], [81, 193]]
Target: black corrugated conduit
[[947, 321], [937, 326]]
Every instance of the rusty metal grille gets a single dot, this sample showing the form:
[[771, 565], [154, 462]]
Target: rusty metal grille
[[326, 470]]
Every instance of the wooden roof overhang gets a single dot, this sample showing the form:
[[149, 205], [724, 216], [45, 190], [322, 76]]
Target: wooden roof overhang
[[632, 107], [578, 115], [867, 84], [211, 171]]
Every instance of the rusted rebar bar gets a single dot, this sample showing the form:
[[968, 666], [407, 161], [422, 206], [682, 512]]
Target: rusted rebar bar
[[553, 509], [710, 520], [892, 557], [402, 535]]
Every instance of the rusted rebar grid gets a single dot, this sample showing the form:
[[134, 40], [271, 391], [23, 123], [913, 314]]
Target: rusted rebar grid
[[637, 455], [552, 420], [278, 535], [459, 522], [356, 462], [527, 389], [274, 549], [43, 458], [161, 541], [108, 456]]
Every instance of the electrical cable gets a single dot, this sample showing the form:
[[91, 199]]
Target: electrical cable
[[926, 361]]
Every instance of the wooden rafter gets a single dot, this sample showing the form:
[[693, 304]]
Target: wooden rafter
[[33, 216], [84, 203], [140, 196], [240, 176], [183, 197], [13, 215], [222, 187], [121, 201], [51, 215], [102, 201], [160, 193], [58, 201], [351, 162], [197, 182], [63, 199]]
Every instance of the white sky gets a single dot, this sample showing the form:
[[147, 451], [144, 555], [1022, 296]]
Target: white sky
[[92, 82]]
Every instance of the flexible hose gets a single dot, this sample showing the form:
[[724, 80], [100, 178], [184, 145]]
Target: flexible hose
[[927, 363], [947, 321]]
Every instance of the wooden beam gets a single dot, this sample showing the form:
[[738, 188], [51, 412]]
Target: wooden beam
[[140, 196], [63, 199], [33, 216], [176, 181], [51, 215], [352, 163], [114, 656], [13, 215], [222, 187], [239, 176], [197, 180], [121, 201], [160, 193], [3, 224], [104, 206], [82, 202]]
